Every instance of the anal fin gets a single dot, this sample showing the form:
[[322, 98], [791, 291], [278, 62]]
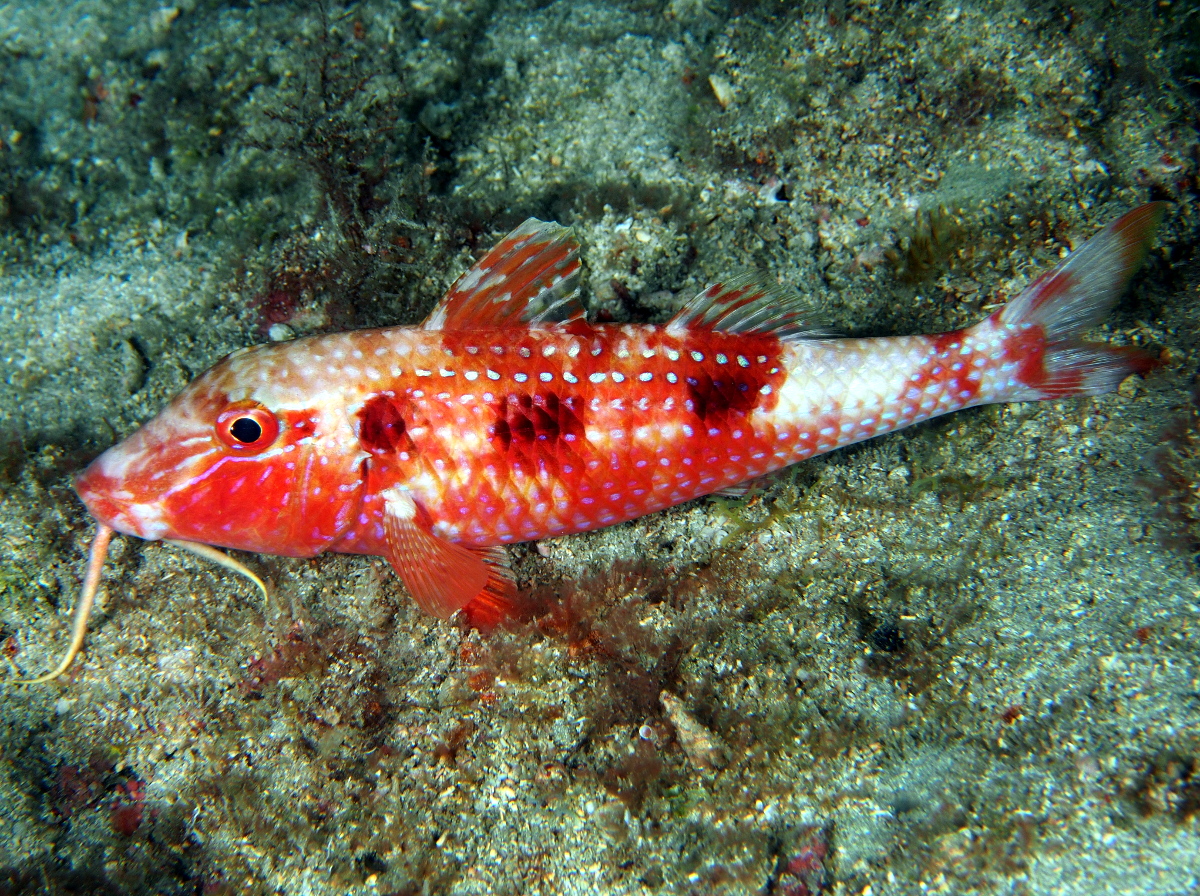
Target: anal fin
[[444, 577], [749, 487]]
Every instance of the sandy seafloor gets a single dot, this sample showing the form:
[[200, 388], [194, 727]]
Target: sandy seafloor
[[964, 658]]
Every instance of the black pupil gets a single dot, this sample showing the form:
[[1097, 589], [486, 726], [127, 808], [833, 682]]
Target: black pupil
[[246, 429]]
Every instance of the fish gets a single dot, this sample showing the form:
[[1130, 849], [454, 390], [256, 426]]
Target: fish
[[508, 417]]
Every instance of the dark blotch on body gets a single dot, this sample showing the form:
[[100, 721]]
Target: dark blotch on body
[[381, 426], [714, 399], [525, 421]]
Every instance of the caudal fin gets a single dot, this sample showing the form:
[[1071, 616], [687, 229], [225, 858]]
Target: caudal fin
[[1046, 320]]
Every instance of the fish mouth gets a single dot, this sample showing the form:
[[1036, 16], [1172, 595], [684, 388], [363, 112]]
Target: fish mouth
[[112, 504]]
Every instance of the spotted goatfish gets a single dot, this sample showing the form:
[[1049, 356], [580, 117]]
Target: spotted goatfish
[[506, 416]]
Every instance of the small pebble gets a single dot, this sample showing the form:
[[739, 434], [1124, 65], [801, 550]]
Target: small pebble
[[722, 90], [702, 748]]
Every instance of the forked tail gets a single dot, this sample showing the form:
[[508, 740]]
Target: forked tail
[[1043, 346]]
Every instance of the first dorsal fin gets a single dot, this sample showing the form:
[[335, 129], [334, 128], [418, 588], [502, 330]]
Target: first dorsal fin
[[744, 304], [530, 277]]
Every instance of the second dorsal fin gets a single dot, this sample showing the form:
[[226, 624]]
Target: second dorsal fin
[[745, 304], [530, 277]]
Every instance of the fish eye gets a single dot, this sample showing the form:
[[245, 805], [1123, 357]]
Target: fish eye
[[247, 427]]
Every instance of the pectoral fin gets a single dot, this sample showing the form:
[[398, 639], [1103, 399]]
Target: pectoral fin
[[444, 577]]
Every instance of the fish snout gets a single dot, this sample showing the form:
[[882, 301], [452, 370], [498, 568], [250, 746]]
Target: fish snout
[[110, 501]]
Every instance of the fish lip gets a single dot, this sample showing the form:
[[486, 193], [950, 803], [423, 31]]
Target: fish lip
[[97, 491], [97, 498]]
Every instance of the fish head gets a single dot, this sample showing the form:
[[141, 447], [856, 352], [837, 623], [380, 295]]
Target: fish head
[[246, 457]]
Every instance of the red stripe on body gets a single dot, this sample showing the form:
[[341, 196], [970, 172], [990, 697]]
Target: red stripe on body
[[1027, 349], [961, 384]]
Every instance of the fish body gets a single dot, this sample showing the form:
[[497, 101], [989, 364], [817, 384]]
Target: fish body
[[508, 417]]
